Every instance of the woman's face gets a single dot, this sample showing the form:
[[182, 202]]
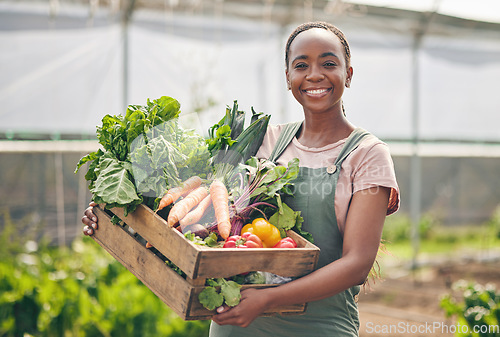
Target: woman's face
[[317, 72]]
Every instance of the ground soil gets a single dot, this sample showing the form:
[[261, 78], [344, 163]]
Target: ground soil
[[407, 303]]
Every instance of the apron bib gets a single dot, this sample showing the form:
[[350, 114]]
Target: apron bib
[[314, 196]]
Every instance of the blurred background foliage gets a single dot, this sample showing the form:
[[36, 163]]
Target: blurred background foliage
[[81, 290], [78, 290]]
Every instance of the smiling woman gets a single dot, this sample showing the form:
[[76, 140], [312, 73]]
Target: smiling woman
[[346, 185], [345, 218]]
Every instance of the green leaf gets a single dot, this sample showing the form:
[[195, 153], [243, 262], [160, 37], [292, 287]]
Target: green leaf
[[211, 240], [163, 109], [90, 157], [113, 184], [298, 228], [231, 292], [115, 220], [227, 150], [210, 298], [284, 219]]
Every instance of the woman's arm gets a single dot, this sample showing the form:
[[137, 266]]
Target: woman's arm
[[362, 235]]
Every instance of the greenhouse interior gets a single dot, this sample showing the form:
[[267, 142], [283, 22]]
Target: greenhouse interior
[[425, 82]]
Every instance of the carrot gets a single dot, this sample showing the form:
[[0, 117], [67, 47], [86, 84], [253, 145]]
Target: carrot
[[182, 207], [220, 197], [196, 214], [175, 193]]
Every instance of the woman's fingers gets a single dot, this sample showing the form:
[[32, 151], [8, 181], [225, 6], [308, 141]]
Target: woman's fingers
[[252, 304], [89, 219], [87, 230], [222, 309]]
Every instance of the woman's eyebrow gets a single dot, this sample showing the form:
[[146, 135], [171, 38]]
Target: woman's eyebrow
[[305, 57], [300, 57], [329, 53]]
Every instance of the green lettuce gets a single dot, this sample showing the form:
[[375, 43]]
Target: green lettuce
[[144, 152]]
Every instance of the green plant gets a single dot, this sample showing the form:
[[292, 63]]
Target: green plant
[[494, 223], [397, 227], [478, 310], [78, 291]]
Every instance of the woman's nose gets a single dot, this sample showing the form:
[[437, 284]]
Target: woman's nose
[[315, 74]]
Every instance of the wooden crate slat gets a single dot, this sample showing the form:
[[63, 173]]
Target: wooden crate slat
[[168, 241], [170, 287], [234, 261]]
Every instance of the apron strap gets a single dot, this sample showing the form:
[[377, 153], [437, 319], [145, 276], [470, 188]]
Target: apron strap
[[351, 143], [286, 135], [290, 130]]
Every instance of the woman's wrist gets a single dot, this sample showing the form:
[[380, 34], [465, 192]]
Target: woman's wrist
[[272, 297]]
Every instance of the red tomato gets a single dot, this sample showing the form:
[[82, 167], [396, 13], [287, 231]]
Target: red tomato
[[286, 243]]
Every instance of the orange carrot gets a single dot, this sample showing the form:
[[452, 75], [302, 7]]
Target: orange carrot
[[196, 214], [220, 197], [183, 207], [175, 193]]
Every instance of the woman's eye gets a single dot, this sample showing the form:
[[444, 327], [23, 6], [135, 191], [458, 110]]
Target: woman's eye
[[330, 64], [300, 66]]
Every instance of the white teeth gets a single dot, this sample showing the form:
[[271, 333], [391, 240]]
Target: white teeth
[[316, 91]]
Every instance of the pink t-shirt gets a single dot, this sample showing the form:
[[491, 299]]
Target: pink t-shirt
[[369, 165]]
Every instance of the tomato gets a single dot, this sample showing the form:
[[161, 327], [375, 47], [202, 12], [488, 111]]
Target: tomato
[[286, 243], [245, 240]]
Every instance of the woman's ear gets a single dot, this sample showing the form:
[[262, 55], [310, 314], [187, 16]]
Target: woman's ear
[[348, 78], [288, 85]]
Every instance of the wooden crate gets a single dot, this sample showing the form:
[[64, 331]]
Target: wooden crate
[[197, 262]]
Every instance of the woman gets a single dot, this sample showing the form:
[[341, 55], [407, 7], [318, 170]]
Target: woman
[[346, 187]]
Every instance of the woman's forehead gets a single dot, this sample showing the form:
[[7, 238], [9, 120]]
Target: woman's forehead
[[315, 36]]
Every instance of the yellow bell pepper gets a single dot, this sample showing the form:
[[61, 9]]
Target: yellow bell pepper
[[267, 232]]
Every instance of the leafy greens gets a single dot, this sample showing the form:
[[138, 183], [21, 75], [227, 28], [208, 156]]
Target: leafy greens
[[143, 153]]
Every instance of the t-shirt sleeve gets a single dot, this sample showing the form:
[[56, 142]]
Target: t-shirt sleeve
[[270, 138], [376, 168]]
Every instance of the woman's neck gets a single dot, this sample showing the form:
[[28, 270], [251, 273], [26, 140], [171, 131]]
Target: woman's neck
[[323, 129]]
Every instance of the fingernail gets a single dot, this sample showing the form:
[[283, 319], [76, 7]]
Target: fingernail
[[220, 309], [94, 218]]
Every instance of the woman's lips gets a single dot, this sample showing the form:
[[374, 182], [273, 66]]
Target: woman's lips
[[316, 92]]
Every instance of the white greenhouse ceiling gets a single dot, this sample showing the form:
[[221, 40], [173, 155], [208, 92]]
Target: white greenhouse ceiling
[[479, 10]]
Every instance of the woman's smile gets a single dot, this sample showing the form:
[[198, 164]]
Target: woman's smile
[[317, 92]]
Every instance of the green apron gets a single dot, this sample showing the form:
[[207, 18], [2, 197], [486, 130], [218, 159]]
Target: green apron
[[314, 196]]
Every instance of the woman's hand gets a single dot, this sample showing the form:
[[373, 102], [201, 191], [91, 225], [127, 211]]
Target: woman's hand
[[89, 219], [253, 303]]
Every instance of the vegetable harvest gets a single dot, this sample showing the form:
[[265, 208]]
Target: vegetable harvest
[[214, 190]]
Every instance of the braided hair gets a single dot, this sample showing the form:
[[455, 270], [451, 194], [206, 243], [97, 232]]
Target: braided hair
[[324, 25]]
